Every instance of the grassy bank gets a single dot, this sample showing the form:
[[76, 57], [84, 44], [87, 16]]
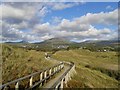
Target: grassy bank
[[19, 62], [88, 66]]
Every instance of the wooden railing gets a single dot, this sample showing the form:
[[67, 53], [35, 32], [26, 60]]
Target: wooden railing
[[65, 77], [43, 76]]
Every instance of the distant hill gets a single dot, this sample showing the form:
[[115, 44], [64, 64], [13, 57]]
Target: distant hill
[[101, 43], [17, 42], [57, 41], [63, 43], [54, 43], [91, 44]]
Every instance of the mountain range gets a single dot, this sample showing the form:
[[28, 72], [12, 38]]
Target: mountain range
[[58, 42]]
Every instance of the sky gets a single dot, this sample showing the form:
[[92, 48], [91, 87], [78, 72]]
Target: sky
[[76, 21]]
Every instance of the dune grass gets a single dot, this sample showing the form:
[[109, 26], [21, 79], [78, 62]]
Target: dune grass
[[19, 62], [87, 64], [93, 68]]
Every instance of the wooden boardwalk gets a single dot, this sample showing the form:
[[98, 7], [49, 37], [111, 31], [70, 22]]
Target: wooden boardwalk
[[52, 77], [50, 83]]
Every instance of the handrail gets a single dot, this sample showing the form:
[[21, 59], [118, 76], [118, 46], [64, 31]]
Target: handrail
[[71, 64], [25, 77], [63, 76], [42, 80]]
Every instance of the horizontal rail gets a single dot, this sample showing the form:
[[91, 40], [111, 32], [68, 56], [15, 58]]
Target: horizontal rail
[[42, 80], [63, 76], [28, 76]]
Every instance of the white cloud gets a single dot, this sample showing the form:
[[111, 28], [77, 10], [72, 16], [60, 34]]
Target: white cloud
[[46, 36], [21, 25], [81, 28], [10, 32], [19, 16], [108, 18], [73, 25], [15, 34], [42, 28], [11, 12], [60, 6], [23, 11], [56, 20]]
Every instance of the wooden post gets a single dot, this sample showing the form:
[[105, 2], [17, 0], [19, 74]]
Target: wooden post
[[31, 81], [59, 67], [61, 85], [17, 86], [54, 69], [5, 88], [50, 72], [69, 76], [45, 74], [41, 76], [62, 66], [56, 88], [66, 79]]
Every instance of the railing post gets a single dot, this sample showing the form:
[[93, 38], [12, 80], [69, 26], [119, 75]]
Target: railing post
[[56, 88], [17, 86], [50, 72], [59, 67], [45, 74], [31, 81], [5, 88], [61, 84], [54, 69], [69, 77], [62, 65], [66, 79], [41, 76]]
